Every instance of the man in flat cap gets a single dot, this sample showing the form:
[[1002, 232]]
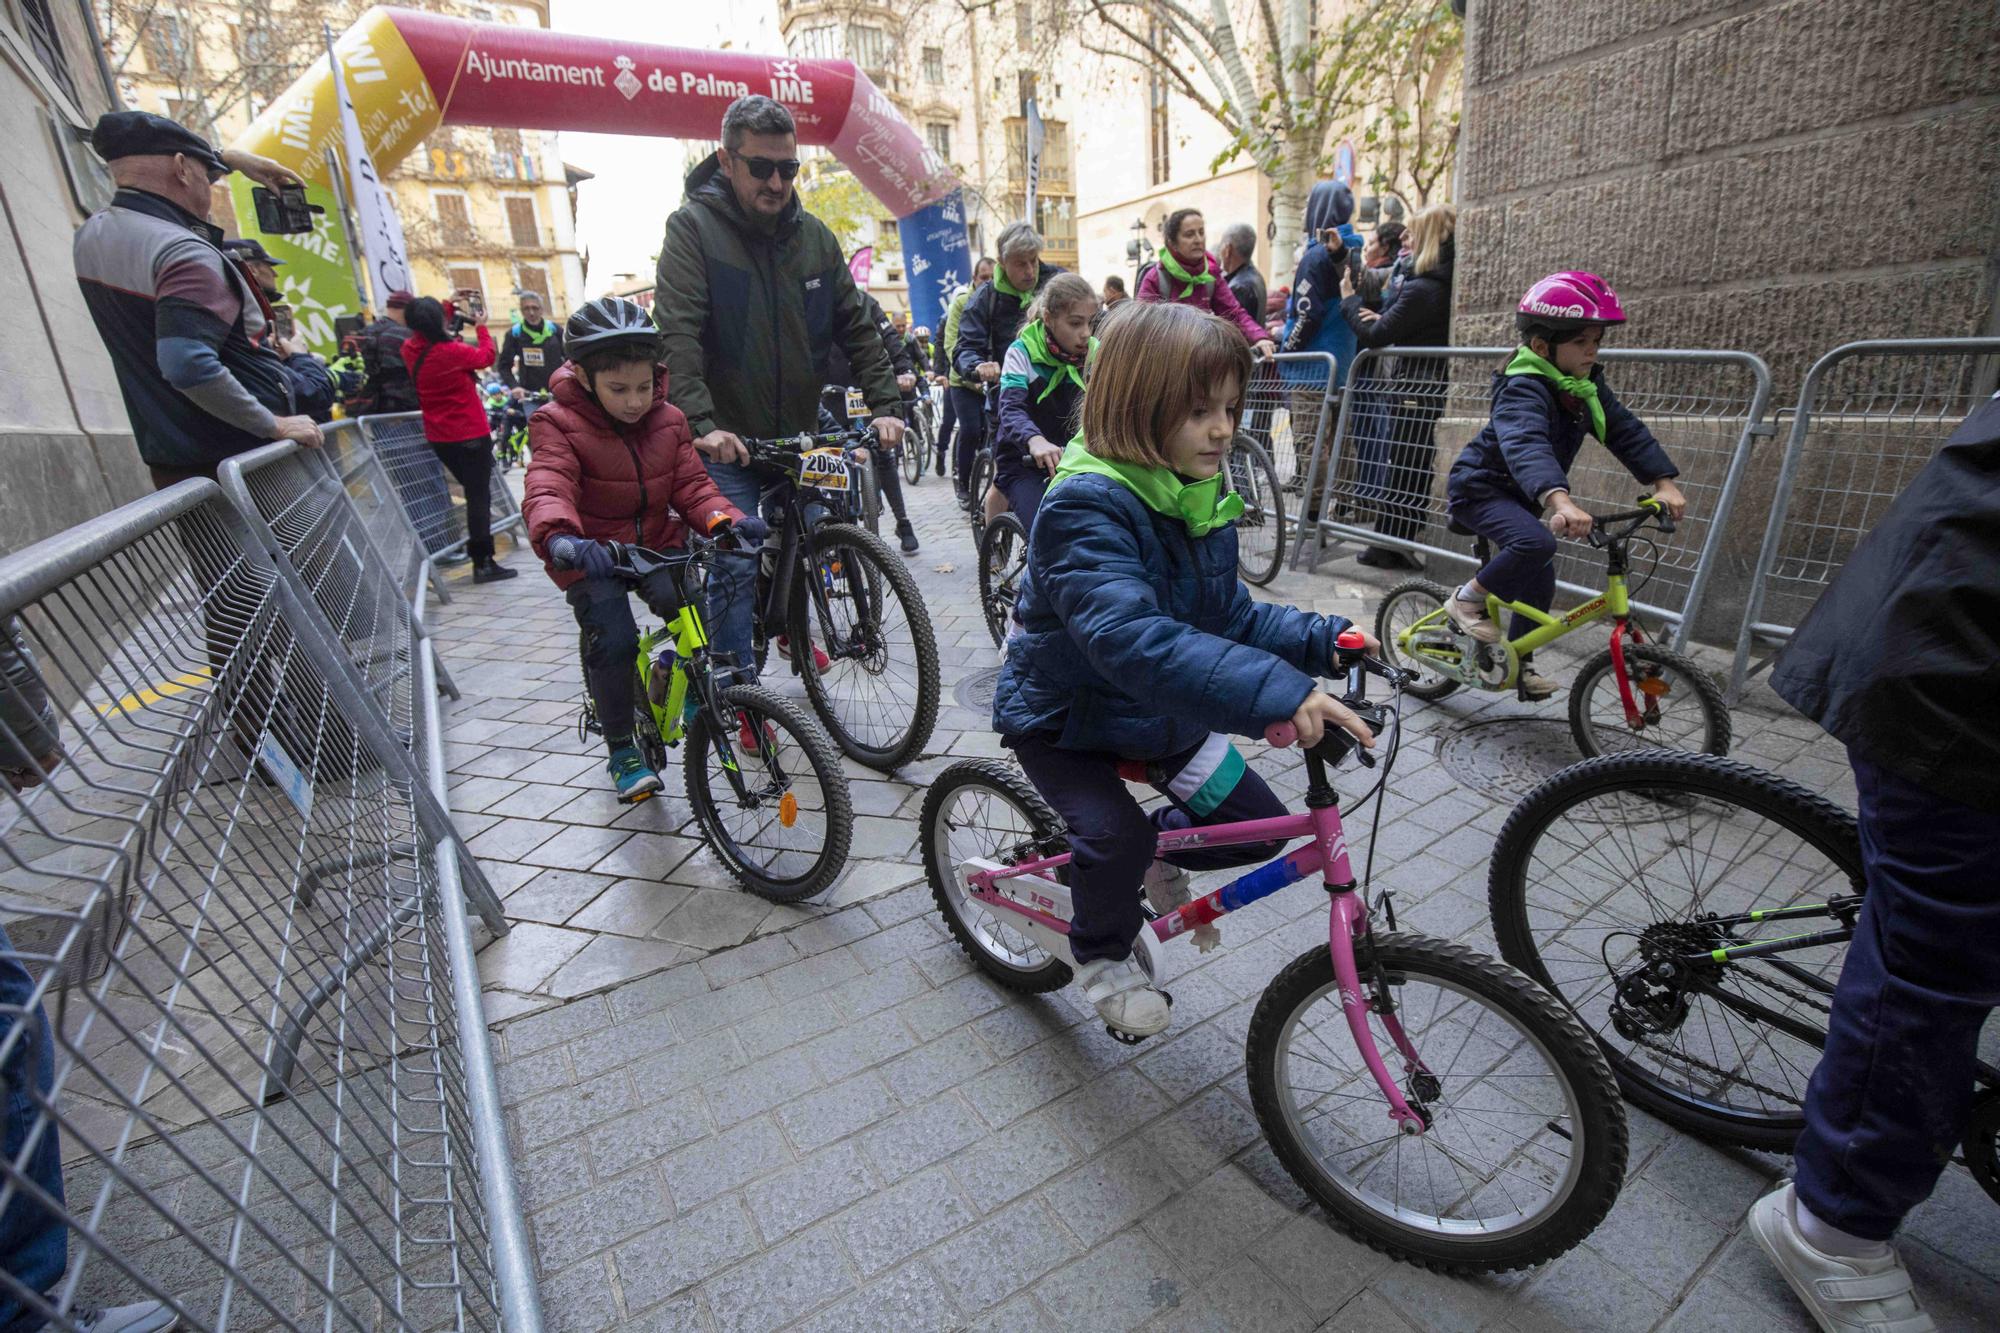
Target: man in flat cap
[[182, 323]]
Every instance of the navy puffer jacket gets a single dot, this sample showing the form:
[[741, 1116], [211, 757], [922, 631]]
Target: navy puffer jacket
[[1138, 638], [1535, 435]]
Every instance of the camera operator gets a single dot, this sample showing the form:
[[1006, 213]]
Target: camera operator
[[445, 371]]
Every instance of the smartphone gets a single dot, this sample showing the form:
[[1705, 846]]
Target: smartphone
[[281, 322], [284, 212], [470, 302]]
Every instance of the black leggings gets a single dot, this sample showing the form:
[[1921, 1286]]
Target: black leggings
[[603, 609], [471, 461]]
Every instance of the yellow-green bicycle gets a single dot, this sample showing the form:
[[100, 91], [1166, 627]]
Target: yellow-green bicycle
[[764, 781], [1633, 695]]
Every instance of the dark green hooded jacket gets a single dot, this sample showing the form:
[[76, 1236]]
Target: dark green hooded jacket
[[749, 314]]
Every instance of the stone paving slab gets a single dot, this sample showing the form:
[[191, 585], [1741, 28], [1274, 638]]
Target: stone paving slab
[[730, 1115]]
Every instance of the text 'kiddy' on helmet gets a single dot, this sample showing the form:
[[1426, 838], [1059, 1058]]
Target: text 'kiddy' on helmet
[[610, 321], [1567, 301]]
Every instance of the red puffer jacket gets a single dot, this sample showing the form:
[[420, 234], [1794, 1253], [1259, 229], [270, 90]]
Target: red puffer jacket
[[448, 386], [593, 477]]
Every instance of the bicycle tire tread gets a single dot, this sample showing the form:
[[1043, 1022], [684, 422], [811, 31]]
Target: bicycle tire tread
[[1053, 975], [895, 571], [1428, 693], [1704, 685]]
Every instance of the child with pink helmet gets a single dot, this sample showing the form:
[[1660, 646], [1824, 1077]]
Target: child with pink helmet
[[1516, 470]]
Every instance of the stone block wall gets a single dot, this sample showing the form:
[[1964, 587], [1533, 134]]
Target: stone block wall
[[1779, 176]]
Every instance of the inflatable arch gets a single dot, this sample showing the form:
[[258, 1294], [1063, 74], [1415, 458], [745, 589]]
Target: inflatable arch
[[410, 72]]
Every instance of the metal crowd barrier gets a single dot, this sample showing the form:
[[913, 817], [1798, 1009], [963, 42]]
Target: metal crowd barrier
[[1408, 412], [1869, 416], [263, 1093], [427, 489], [380, 506], [1288, 408]]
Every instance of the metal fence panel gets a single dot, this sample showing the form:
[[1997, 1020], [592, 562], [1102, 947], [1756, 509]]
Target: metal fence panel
[[1869, 416], [229, 836], [381, 509], [431, 496], [1288, 407], [1407, 414]]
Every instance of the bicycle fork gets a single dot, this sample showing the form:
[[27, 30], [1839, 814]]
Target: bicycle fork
[[1347, 923]]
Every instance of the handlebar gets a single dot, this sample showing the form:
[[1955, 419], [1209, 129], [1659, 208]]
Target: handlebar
[[635, 562], [1649, 509], [1357, 666]]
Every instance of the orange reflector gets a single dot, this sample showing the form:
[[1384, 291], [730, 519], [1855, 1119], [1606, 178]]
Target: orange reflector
[[1655, 687], [788, 810]]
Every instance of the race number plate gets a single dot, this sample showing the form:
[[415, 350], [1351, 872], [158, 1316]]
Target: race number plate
[[857, 405], [825, 469]]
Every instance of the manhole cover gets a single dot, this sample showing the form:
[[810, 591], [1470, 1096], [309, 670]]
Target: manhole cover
[[975, 692], [1506, 758]]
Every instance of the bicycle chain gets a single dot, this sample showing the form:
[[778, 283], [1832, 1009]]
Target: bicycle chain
[[1727, 1076]]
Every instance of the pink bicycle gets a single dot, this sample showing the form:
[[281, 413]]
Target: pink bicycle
[[1438, 1104]]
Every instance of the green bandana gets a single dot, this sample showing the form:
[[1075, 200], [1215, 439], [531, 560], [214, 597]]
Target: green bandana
[[1525, 362], [1199, 504], [522, 330], [1173, 266], [1035, 338], [1001, 284]]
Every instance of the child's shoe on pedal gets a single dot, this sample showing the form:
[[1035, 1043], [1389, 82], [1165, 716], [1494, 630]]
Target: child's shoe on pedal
[[1125, 996], [1534, 685], [1166, 887], [631, 775], [1469, 614]]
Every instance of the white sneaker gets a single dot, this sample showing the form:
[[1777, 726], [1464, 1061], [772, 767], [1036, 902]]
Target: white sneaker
[[1843, 1295], [1535, 685], [1125, 996], [1471, 618], [145, 1317]]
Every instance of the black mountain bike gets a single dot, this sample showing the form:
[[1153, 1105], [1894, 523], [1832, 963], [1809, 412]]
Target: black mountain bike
[[855, 626]]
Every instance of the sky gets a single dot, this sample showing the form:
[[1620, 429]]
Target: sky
[[621, 214]]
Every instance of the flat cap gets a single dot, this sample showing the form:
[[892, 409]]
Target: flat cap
[[143, 134]]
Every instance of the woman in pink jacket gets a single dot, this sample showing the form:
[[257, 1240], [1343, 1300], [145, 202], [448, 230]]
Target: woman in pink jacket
[[1187, 274]]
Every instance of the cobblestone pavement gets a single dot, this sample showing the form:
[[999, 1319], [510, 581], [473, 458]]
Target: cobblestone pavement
[[734, 1116]]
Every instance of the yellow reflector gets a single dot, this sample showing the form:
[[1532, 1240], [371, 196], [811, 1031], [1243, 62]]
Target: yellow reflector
[[788, 810], [1655, 687]]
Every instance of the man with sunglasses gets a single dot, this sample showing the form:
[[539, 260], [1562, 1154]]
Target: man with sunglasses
[[752, 296], [182, 323]]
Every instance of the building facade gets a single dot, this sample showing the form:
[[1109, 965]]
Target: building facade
[[490, 210]]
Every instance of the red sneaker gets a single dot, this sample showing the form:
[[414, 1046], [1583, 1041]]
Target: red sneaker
[[820, 660], [746, 735]]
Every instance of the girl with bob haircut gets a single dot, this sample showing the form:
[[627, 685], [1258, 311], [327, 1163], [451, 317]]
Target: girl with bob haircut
[[1041, 389], [1137, 642]]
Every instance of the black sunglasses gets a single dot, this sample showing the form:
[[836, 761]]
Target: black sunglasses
[[762, 167]]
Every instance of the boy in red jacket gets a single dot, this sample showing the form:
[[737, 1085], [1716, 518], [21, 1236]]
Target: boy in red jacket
[[614, 461]]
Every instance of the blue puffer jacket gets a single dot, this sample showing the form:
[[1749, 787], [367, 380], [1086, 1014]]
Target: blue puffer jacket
[[1533, 437], [1137, 639], [1312, 311]]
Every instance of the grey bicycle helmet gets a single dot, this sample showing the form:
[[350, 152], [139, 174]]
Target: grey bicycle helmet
[[607, 322]]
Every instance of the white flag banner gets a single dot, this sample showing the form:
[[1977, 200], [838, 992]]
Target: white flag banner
[[1034, 176], [375, 217]]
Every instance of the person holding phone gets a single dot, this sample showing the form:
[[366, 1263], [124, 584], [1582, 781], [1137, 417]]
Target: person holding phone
[[445, 371], [313, 387]]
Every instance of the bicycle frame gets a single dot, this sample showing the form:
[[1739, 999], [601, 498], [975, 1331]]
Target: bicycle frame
[[1325, 854]]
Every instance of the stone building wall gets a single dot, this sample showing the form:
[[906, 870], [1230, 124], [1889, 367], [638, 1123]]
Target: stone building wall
[[1779, 176]]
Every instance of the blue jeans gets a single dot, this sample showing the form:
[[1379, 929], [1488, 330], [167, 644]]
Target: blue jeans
[[1523, 564], [1369, 437], [1889, 1099], [34, 1242], [732, 583]]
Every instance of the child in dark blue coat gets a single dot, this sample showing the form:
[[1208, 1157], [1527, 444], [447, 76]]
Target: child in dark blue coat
[[1547, 399], [1041, 391], [1138, 642]]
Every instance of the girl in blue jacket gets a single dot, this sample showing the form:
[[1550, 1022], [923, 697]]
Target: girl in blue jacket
[[1041, 391], [1547, 399], [1137, 642]]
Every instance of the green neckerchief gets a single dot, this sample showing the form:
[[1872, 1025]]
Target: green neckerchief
[[1035, 338], [1173, 266], [1525, 362], [1199, 504], [548, 328], [1001, 284]]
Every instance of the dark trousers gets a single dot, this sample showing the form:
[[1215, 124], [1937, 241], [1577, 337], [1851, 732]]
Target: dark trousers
[[970, 407], [889, 476], [1406, 492], [603, 610], [471, 462], [1523, 565], [1888, 1102], [1022, 483], [1113, 839], [34, 1242], [947, 419]]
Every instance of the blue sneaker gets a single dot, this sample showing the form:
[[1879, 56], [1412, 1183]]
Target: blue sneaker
[[629, 773]]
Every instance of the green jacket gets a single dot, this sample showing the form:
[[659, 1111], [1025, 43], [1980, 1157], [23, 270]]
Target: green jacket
[[952, 315], [748, 314]]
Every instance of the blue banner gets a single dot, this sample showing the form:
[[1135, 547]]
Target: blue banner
[[937, 260]]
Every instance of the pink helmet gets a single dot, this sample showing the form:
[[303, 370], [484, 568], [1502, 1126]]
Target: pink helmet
[[1569, 300]]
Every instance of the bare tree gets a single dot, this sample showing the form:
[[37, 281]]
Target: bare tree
[[1286, 90]]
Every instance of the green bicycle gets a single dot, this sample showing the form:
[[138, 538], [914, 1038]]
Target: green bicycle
[[764, 781], [1633, 695]]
